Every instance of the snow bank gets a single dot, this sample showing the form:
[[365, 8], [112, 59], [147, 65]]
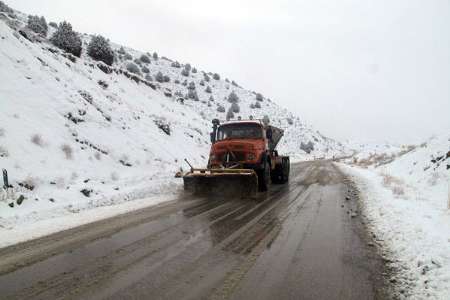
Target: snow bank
[[406, 202]]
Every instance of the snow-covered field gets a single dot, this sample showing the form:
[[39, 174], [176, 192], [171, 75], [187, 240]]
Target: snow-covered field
[[407, 203], [77, 135]]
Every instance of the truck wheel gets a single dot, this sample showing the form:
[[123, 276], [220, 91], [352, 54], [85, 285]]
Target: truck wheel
[[285, 171], [264, 177]]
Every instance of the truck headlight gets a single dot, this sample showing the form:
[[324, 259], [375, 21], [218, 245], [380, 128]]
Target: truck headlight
[[251, 156]]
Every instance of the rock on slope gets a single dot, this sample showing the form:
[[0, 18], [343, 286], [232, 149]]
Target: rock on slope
[[76, 133]]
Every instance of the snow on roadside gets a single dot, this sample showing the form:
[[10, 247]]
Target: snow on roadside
[[409, 226], [63, 221]]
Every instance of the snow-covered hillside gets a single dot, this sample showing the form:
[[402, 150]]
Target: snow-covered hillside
[[406, 201], [76, 133]]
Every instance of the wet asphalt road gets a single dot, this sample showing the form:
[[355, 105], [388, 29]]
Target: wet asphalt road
[[297, 241]]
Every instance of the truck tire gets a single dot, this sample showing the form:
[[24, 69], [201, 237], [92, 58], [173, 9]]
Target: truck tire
[[286, 168], [264, 176]]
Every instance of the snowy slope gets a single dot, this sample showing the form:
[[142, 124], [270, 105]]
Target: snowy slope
[[407, 203], [76, 134]]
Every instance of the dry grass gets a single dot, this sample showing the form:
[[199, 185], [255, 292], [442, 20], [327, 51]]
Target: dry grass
[[68, 152], [396, 185], [37, 140], [3, 152]]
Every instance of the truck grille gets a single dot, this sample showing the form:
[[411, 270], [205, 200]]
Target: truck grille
[[240, 156]]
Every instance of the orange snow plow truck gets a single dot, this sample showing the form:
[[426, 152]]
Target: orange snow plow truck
[[242, 160]]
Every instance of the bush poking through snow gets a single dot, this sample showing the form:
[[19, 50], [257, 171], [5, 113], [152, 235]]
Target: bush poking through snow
[[192, 94], [206, 77], [100, 49], [37, 140], [259, 97], [67, 39], [155, 56], [186, 71], [67, 150], [5, 8], [163, 125], [145, 59], [3, 152], [308, 147], [133, 68], [145, 70], [257, 105], [53, 24], [216, 76], [194, 70], [166, 78], [290, 121], [235, 108], [175, 64], [159, 77], [148, 77], [191, 85], [230, 114], [208, 90], [233, 98], [38, 24]]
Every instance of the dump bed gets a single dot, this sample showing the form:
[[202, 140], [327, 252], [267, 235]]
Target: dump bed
[[277, 134]]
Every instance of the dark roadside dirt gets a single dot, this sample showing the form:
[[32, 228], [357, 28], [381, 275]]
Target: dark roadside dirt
[[302, 240]]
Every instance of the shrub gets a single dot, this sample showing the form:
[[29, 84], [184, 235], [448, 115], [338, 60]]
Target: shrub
[[53, 24], [192, 94], [5, 8], [194, 70], [163, 125], [155, 56], [148, 77], [187, 67], [99, 49], [38, 25], [67, 39], [202, 82], [67, 151], [208, 89], [206, 77], [211, 98], [257, 105], [259, 97], [133, 68], [137, 61], [121, 50], [145, 70], [233, 98], [145, 59], [216, 76], [230, 114], [290, 121], [127, 56], [191, 85], [159, 77], [175, 64], [220, 108], [235, 107], [37, 140], [166, 78], [185, 72], [3, 152], [308, 147]]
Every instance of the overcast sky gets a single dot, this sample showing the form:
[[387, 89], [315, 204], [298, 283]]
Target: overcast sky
[[375, 70]]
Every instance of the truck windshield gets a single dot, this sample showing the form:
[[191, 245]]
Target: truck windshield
[[239, 131]]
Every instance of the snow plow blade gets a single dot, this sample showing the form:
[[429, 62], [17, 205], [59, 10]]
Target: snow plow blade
[[222, 182]]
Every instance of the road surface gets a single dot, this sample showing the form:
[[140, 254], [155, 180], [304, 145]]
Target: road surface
[[301, 240]]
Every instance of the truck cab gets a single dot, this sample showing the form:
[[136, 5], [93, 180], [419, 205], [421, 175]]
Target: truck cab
[[249, 144]]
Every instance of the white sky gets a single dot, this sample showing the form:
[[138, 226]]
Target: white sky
[[374, 70]]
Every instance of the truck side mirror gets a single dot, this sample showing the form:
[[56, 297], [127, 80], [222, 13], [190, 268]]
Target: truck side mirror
[[269, 133], [213, 137]]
